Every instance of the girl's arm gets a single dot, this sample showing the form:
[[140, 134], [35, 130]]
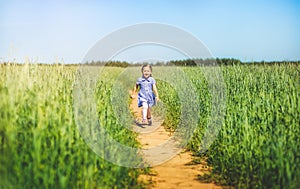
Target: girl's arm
[[155, 91], [134, 90]]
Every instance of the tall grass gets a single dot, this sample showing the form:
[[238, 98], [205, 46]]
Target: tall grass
[[258, 145], [39, 141]]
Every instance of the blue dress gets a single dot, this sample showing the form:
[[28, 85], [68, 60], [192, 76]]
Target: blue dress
[[146, 93]]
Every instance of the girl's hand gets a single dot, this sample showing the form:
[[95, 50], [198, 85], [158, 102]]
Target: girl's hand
[[132, 96]]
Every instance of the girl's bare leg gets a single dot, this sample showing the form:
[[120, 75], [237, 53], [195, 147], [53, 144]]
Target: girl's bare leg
[[149, 116], [145, 111], [149, 113]]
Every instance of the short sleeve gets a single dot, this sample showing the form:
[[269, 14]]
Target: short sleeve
[[153, 81], [138, 81]]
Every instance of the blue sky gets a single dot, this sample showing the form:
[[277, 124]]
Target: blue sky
[[47, 31]]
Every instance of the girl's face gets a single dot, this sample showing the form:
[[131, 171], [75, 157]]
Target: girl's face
[[146, 72]]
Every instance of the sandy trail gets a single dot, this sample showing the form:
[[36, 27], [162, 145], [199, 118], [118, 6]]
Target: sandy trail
[[178, 172]]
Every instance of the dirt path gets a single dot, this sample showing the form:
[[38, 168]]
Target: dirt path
[[177, 172]]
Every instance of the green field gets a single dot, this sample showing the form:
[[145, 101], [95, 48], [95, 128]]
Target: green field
[[41, 147]]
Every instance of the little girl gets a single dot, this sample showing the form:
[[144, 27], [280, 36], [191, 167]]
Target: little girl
[[148, 92]]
